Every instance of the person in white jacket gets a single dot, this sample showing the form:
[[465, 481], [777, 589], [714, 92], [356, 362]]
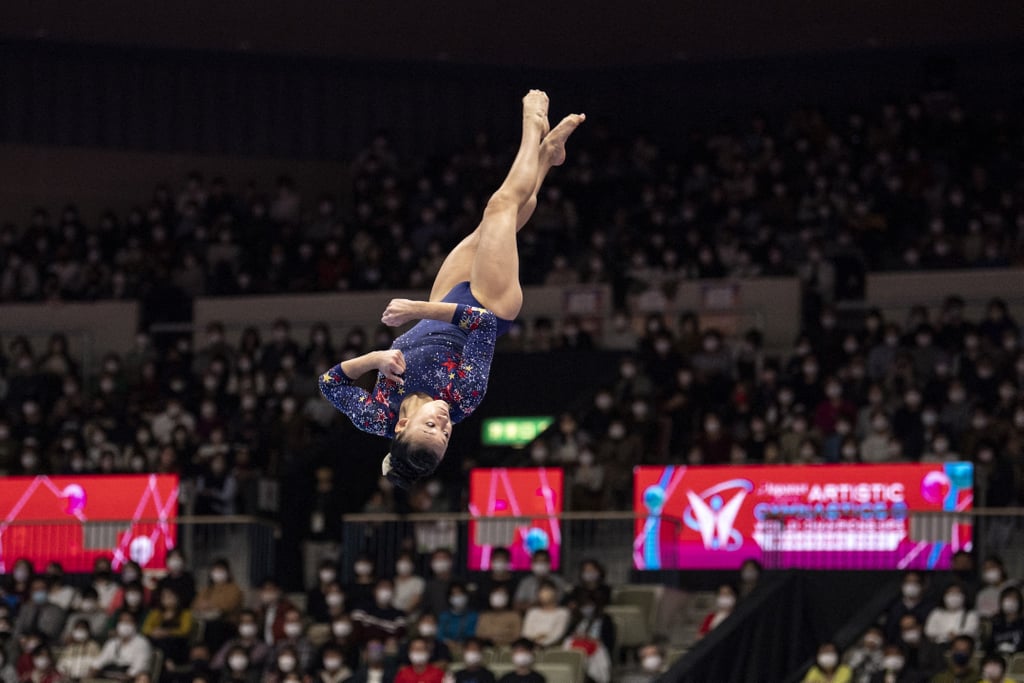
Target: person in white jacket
[[952, 618]]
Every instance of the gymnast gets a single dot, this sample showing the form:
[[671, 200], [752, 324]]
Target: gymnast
[[435, 375]]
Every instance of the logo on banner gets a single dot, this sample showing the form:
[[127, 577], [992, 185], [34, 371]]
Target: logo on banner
[[714, 516]]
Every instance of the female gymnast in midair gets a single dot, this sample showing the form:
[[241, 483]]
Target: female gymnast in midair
[[435, 375]]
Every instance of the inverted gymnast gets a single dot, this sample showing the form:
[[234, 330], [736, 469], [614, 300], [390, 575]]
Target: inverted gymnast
[[435, 375]]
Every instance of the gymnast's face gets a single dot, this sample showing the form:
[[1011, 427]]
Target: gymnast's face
[[430, 427]]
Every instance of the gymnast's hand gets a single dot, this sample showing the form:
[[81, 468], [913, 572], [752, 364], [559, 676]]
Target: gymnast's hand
[[400, 311], [392, 364]]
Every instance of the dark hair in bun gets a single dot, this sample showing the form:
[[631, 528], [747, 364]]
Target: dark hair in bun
[[407, 463]]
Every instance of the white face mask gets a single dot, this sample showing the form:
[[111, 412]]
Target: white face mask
[[892, 663], [341, 629], [175, 564], [993, 674], [441, 566], [472, 657], [363, 568], [499, 600], [384, 596], [499, 566], [1010, 605], [828, 660], [327, 575], [540, 568], [911, 637], [427, 630], [954, 601], [419, 658], [651, 663], [911, 591], [403, 567], [992, 576], [459, 602], [335, 599], [522, 659], [41, 663], [238, 662], [132, 599], [725, 602], [332, 663], [218, 576], [125, 629], [293, 629], [286, 663]]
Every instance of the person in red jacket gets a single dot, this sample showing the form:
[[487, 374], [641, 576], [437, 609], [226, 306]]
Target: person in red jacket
[[725, 601], [419, 669]]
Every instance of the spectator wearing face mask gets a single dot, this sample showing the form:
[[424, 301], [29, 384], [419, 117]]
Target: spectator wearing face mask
[[499, 624], [126, 654], [377, 667], [993, 670], [44, 669], [474, 670], [652, 664], [79, 652], [865, 658], [178, 578], [103, 583], [294, 640], [39, 614], [959, 669], [61, 594], [993, 576], [218, 604], [440, 653], [238, 667], [132, 580], [725, 602], [435, 592], [419, 669], [911, 601], [895, 668], [750, 574], [169, 627], [591, 586], [499, 574], [459, 621], [343, 638], [952, 618], [540, 571], [546, 622], [332, 666], [522, 660], [360, 591], [274, 608], [379, 621], [248, 641], [409, 588], [88, 609], [316, 597], [284, 663], [1006, 637], [827, 668]]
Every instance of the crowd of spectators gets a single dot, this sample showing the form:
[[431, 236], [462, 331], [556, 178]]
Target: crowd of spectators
[[966, 627], [388, 624], [924, 184]]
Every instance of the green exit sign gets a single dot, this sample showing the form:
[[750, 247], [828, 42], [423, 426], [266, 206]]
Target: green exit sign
[[513, 431]]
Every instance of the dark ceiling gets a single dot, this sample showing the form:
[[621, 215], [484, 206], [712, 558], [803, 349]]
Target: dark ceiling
[[554, 34]]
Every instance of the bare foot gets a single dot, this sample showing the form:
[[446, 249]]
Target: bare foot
[[535, 110], [553, 144]]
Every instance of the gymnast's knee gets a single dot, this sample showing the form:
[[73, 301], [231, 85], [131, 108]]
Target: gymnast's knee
[[505, 201]]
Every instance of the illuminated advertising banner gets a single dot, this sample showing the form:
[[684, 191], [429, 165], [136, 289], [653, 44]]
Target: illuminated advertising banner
[[76, 519], [500, 493], [816, 516]]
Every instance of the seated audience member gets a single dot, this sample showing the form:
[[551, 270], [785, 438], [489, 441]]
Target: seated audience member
[[750, 574], [993, 670], [458, 622], [333, 668], [218, 604], [274, 606], [359, 592], [911, 601], [915, 648], [103, 582], [89, 609], [131, 582], [499, 624], [343, 638], [131, 600], [435, 590], [652, 665], [22, 648], [993, 575], [61, 594], [896, 669], [440, 653], [473, 659], [409, 586], [500, 574], [238, 667], [379, 621], [316, 597], [79, 652], [126, 656], [248, 641], [522, 659], [593, 633], [419, 669], [198, 665], [1006, 637], [827, 668], [959, 669], [178, 578], [39, 614], [284, 663], [44, 668], [952, 618], [725, 602], [529, 586], [169, 626], [376, 668], [546, 623], [591, 585], [865, 658], [295, 641]]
